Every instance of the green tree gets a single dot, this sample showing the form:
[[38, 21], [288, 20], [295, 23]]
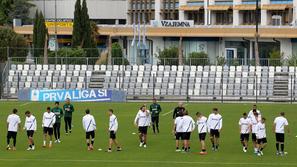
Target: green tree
[[198, 58], [117, 55], [40, 34], [14, 41], [168, 56], [275, 58], [77, 25], [76, 55], [5, 7]]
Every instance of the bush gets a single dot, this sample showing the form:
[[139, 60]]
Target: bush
[[168, 56], [68, 56], [117, 55], [221, 61], [292, 61], [198, 58], [275, 58]]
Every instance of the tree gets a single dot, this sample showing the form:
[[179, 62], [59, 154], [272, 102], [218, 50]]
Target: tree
[[168, 56], [40, 34], [117, 55], [77, 31], [11, 39]]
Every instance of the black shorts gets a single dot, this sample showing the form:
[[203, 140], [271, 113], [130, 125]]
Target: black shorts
[[262, 141], [90, 134], [186, 136], [155, 119], [47, 130], [112, 135], [202, 136], [11, 134], [30, 133], [254, 138], [178, 135], [142, 129], [214, 132], [280, 137], [244, 137]]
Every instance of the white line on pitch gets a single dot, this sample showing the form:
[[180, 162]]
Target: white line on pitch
[[25, 104], [171, 111]]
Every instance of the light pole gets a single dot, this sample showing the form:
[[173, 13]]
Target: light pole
[[257, 35], [56, 36]]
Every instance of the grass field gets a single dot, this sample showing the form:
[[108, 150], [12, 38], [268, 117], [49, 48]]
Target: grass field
[[161, 148]]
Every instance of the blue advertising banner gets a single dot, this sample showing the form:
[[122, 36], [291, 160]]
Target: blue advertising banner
[[73, 94]]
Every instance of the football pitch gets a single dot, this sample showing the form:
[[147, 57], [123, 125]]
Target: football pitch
[[72, 151]]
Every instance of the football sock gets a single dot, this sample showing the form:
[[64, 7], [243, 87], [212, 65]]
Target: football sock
[[277, 147], [44, 142], [282, 147]]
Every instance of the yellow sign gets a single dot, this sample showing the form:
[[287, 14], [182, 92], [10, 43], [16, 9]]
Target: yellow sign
[[59, 24]]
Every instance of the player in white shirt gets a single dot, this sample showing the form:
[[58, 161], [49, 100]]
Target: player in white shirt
[[30, 126], [280, 124], [261, 136], [202, 130], [13, 124], [251, 112], [255, 119], [48, 121], [188, 126], [215, 124], [142, 121], [89, 125], [113, 128], [177, 131], [245, 127]]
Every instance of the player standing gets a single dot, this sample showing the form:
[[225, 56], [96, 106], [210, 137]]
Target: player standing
[[113, 127], [202, 130], [244, 130], [13, 124], [48, 122], [255, 119], [177, 131], [68, 110], [89, 125], [188, 126], [59, 114], [30, 126], [280, 124], [261, 136], [215, 124], [155, 110], [179, 110], [251, 112], [143, 120]]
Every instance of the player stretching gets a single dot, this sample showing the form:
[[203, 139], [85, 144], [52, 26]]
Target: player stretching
[[89, 125], [215, 124], [68, 110], [244, 130], [30, 126], [13, 124], [280, 123], [202, 130], [59, 114], [48, 122], [261, 136], [155, 110], [177, 131], [255, 119], [188, 126], [113, 127], [143, 120]]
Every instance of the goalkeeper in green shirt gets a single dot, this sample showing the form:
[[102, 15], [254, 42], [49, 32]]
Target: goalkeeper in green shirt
[[68, 110], [59, 114], [155, 110]]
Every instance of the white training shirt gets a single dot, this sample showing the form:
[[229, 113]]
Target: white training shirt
[[251, 113], [215, 121], [188, 124], [254, 122], [245, 125], [143, 118], [280, 123], [260, 131], [48, 120], [30, 123], [13, 121], [202, 124], [89, 123], [178, 122], [113, 123]]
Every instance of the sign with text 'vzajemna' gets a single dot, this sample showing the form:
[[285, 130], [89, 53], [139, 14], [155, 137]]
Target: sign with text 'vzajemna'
[[173, 23]]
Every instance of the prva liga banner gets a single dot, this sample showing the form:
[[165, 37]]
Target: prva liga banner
[[73, 94]]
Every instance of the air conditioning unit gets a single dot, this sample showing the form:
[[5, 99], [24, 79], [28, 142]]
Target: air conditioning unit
[[276, 20]]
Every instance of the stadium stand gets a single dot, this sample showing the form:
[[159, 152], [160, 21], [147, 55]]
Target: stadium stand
[[171, 82]]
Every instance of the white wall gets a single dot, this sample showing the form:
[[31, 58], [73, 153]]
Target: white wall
[[286, 47], [98, 9]]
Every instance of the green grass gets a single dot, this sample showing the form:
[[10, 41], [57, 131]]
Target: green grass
[[161, 148]]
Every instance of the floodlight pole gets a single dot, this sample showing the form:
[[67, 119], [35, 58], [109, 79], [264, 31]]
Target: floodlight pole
[[257, 35], [56, 36]]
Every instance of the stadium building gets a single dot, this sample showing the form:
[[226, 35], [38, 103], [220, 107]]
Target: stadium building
[[218, 27]]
